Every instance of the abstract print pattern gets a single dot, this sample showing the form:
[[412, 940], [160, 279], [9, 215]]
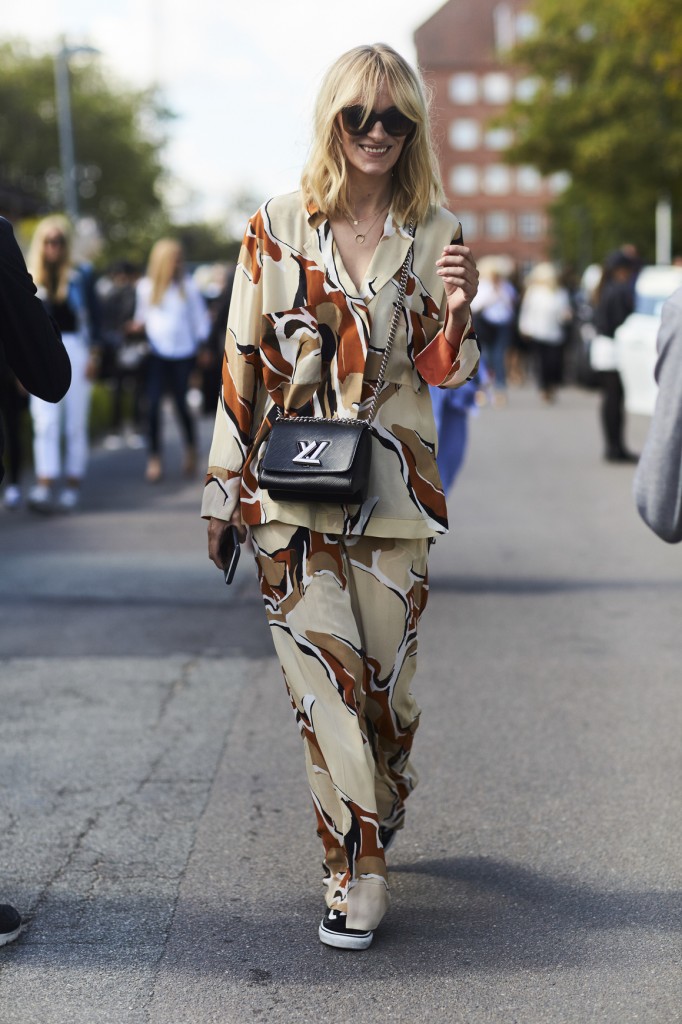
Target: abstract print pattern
[[304, 340], [343, 612]]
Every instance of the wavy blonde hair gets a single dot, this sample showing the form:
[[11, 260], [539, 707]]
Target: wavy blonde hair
[[162, 267], [356, 77], [56, 285]]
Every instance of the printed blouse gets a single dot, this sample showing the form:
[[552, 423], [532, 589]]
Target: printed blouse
[[303, 340]]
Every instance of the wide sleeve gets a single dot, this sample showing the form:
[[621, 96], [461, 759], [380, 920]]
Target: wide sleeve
[[658, 480], [241, 394], [441, 364], [31, 340]]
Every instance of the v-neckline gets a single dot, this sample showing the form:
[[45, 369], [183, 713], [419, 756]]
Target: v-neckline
[[359, 291]]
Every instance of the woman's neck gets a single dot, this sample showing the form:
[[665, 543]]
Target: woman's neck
[[368, 195]]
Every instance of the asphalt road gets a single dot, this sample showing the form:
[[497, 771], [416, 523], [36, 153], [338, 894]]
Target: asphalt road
[[154, 823]]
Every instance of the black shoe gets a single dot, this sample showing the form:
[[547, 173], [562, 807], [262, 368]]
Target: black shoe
[[10, 924], [333, 932], [621, 455], [387, 837]]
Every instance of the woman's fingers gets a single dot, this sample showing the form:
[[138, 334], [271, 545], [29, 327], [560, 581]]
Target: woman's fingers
[[457, 269]]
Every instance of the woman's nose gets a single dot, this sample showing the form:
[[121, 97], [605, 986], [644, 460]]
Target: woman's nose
[[378, 132]]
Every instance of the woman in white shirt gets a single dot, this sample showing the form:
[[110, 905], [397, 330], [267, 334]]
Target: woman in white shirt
[[545, 311], [174, 316]]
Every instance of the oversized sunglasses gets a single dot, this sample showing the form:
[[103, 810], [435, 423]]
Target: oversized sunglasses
[[358, 122]]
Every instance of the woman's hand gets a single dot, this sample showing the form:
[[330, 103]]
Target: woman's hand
[[216, 529], [460, 278]]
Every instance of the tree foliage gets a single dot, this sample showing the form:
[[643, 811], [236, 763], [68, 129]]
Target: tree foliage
[[608, 109], [119, 136]]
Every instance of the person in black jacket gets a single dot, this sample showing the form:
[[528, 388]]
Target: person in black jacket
[[30, 346], [615, 302], [30, 342]]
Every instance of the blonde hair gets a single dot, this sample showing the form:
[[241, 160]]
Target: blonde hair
[[56, 285], [357, 77], [544, 274], [162, 267]]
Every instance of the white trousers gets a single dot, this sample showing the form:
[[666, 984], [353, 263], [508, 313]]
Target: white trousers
[[69, 415]]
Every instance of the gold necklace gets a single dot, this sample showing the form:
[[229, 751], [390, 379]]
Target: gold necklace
[[360, 237]]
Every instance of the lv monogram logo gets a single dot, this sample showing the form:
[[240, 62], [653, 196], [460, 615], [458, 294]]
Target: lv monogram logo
[[309, 452]]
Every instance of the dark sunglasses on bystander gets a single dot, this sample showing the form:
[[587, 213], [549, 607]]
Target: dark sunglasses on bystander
[[357, 121]]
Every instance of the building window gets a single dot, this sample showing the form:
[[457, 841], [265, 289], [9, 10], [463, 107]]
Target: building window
[[526, 89], [498, 138], [503, 20], [497, 180], [526, 25], [469, 222], [465, 134], [497, 87], [498, 225], [559, 182], [463, 88], [464, 180], [531, 225], [528, 180]]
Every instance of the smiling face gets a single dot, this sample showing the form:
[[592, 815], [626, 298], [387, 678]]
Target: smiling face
[[375, 153]]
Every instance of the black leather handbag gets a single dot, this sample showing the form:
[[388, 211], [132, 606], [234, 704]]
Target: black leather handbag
[[308, 458]]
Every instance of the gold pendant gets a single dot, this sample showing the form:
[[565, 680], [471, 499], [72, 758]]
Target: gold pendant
[[360, 239]]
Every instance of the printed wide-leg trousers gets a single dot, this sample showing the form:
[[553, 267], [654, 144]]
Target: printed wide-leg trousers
[[343, 612]]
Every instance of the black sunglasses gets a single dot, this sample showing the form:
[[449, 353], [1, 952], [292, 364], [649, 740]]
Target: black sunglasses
[[356, 122]]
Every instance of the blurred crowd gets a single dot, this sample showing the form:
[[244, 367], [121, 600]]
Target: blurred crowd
[[137, 334], [141, 333]]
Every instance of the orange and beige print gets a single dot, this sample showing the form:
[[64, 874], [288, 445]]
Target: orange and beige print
[[343, 615], [316, 356]]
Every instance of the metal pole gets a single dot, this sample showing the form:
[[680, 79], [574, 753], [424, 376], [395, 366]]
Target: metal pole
[[65, 123], [664, 231]]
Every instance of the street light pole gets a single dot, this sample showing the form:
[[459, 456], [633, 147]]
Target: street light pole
[[67, 155], [65, 124]]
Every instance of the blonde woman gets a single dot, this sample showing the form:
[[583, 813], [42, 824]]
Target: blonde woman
[[65, 294], [344, 585], [173, 313], [543, 318]]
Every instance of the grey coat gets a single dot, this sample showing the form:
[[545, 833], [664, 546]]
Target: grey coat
[[658, 481]]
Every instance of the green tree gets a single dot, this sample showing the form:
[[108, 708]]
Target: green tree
[[119, 136], [608, 110]]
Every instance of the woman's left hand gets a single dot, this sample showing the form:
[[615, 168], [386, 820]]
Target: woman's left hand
[[460, 278]]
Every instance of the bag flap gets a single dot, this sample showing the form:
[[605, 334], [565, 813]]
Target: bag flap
[[314, 446]]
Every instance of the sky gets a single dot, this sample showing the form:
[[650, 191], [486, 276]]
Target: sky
[[241, 75]]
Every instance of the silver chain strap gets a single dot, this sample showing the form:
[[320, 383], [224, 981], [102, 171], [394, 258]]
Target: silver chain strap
[[394, 326], [398, 308]]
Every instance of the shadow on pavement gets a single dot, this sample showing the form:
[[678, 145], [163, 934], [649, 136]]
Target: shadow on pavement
[[448, 914]]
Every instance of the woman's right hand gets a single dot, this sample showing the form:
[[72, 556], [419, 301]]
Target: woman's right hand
[[216, 529]]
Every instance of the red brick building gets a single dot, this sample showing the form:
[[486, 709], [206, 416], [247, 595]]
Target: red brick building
[[461, 50]]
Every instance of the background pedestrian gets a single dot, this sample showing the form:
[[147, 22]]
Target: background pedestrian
[[494, 309], [544, 316], [614, 302], [173, 314], [68, 299]]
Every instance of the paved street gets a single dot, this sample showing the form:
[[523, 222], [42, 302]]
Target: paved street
[[154, 823]]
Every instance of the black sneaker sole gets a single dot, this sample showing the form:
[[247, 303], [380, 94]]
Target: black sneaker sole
[[6, 937], [341, 940]]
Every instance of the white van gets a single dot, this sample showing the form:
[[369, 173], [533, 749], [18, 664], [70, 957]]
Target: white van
[[636, 337]]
